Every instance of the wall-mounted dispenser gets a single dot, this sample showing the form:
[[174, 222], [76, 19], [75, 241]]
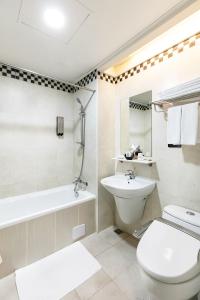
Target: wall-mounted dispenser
[[60, 126]]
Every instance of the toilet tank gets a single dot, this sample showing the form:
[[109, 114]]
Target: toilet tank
[[187, 218]]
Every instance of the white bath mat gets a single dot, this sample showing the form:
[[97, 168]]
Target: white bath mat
[[52, 277]]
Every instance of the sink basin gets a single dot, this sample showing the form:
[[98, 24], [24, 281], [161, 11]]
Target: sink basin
[[120, 186], [129, 195]]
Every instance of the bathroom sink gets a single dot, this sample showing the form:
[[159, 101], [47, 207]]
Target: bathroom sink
[[130, 195], [121, 186]]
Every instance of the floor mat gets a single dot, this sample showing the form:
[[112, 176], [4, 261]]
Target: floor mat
[[52, 277]]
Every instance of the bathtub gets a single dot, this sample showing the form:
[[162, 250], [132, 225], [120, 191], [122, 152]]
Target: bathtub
[[35, 225], [18, 209]]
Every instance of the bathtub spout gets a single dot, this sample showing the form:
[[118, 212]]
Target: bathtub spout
[[76, 193], [79, 184]]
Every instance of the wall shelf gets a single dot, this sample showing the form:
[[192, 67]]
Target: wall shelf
[[148, 162], [181, 94]]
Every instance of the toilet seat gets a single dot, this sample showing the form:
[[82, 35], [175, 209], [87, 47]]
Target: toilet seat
[[168, 254]]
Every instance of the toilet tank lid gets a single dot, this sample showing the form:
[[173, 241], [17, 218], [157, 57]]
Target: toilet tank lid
[[186, 215]]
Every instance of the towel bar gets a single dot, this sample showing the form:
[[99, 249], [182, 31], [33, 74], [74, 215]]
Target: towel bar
[[165, 104]]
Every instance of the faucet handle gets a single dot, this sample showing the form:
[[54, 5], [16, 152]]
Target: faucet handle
[[129, 172]]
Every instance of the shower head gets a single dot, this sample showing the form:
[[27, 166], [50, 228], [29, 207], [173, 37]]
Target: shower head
[[79, 101]]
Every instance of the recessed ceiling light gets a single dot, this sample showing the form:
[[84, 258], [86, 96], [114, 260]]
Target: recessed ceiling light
[[54, 18]]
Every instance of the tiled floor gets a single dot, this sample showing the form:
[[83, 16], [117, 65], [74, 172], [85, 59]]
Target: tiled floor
[[115, 253], [117, 280]]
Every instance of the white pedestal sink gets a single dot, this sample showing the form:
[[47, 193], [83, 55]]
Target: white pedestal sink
[[129, 195]]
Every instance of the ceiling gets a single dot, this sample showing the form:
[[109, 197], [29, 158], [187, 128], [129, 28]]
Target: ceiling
[[94, 30], [187, 27]]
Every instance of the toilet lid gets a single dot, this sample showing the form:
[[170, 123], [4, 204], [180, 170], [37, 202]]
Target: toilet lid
[[168, 254]]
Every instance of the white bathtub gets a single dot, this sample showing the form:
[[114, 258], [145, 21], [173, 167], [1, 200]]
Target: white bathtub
[[18, 209]]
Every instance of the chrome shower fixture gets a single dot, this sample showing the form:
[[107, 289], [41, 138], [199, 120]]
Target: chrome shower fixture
[[79, 101], [79, 183]]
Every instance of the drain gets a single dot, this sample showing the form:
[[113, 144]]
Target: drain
[[118, 231]]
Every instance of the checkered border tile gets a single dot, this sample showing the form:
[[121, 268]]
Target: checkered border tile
[[138, 106], [159, 58], [106, 77], [33, 78], [87, 79]]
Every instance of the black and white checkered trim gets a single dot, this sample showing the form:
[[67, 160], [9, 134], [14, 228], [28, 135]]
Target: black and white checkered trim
[[139, 106], [106, 77], [34, 78], [159, 58], [87, 79]]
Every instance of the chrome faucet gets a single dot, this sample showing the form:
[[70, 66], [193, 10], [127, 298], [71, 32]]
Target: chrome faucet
[[131, 174], [79, 184]]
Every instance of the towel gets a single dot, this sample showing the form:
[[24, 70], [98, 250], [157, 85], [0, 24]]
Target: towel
[[174, 126], [190, 124]]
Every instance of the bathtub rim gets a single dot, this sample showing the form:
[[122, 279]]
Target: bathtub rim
[[15, 221]]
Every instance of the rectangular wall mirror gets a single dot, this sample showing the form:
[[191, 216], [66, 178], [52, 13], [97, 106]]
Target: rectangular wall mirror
[[136, 123]]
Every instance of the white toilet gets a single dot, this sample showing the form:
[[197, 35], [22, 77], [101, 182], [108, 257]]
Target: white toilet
[[169, 255]]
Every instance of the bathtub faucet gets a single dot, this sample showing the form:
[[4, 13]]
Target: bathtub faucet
[[79, 184]]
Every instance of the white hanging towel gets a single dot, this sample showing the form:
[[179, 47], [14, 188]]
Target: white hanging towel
[[190, 124], [174, 126]]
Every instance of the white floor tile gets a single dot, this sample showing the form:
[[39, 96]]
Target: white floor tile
[[95, 244], [130, 283], [127, 248], [8, 290], [113, 262], [110, 292], [71, 296], [119, 278], [111, 237], [92, 285]]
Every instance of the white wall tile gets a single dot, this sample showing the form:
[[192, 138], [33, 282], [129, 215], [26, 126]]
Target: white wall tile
[[86, 214], [66, 219], [41, 237], [12, 248], [106, 150], [32, 157]]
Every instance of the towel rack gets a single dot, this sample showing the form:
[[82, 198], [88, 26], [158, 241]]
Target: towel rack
[[164, 104]]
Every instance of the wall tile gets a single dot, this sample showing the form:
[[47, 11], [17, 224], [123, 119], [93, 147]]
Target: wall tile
[[66, 219], [41, 237], [87, 216], [33, 78], [106, 150], [106, 207], [32, 157], [12, 248], [8, 289]]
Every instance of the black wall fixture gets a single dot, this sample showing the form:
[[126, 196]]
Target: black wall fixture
[[60, 126]]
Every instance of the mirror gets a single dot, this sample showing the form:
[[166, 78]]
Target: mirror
[[136, 123]]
